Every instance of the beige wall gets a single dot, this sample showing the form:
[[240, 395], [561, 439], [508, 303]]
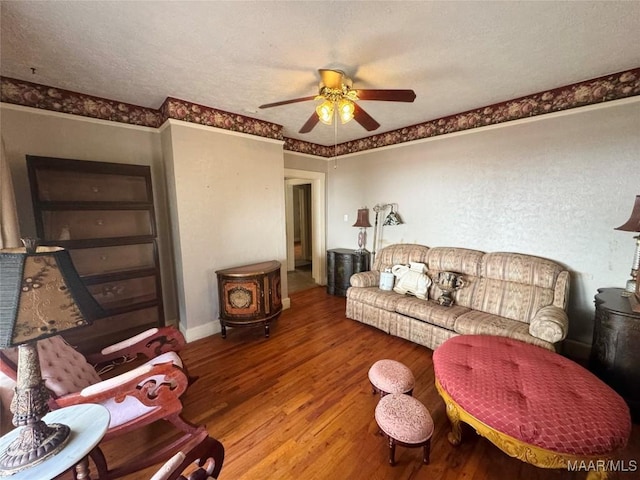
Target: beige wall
[[555, 186], [29, 131], [300, 161], [221, 198], [227, 209]]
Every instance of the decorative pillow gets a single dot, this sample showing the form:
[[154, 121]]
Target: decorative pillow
[[412, 279], [447, 283]]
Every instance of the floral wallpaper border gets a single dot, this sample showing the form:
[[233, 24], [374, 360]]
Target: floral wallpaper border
[[603, 89], [194, 113], [29, 94]]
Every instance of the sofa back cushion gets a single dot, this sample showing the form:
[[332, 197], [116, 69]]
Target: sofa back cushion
[[516, 286], [401, 253], [459, 260]]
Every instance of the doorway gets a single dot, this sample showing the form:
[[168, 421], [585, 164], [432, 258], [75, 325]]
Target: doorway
[[300, 277], [304, 206]]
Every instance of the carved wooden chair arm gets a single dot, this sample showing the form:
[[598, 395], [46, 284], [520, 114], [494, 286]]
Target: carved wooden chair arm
[[159, 385], [149, 343]]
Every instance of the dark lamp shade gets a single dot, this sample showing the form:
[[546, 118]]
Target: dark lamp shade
[[633, 224], [41, 295], [363, 218]]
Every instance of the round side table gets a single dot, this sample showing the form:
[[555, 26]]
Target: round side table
[[88, 424]]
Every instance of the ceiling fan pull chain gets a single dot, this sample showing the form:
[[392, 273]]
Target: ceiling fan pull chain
[[335, 140]]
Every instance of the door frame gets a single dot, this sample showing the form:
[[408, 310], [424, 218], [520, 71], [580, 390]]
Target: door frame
[[318, 224]]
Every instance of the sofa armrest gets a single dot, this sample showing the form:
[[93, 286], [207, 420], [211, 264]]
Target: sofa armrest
[[365, 279], [550, 324]]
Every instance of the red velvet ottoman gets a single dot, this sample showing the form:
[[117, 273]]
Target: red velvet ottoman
[[533, 404]]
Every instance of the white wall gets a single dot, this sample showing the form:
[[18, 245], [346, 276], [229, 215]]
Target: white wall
[[227, 209], [555, 186]]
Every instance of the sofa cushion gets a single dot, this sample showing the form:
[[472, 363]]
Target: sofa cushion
[[401, 253], [520, 268], [460, 260], [480, 323], [516, 301], [375, 297], [430, 312]]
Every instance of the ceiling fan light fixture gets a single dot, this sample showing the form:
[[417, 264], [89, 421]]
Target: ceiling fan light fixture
[[346, 109], [325, 112]]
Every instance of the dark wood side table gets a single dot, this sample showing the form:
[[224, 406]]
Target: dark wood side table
[[615, 352], [341, 264], [249, 295]]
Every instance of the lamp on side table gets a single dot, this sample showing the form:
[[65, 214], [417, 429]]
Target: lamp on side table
[[41, 295], [633, 225]]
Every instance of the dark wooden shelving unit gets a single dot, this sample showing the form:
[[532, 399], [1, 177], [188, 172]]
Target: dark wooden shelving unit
[[103, 213]]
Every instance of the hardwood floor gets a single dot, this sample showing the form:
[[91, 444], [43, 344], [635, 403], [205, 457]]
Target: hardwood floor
[[299, 405]]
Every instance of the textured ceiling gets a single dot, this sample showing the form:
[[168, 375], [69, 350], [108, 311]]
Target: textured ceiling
[[235, 56]]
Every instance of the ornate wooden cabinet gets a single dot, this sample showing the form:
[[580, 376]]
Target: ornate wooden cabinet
[[103, 214], [341, 264], [249, 295], [615, 356]]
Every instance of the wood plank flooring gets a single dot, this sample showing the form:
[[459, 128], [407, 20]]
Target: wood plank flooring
[[299, 405]]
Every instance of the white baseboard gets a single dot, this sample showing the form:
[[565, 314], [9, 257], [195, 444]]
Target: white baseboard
[[211, 328], [201, 331]]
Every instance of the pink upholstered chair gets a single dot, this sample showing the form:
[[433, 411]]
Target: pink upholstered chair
[[136, 398]]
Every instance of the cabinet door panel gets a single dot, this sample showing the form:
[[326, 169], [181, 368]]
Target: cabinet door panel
[[124, 293], [242, 298], [99, 260], [274, 288], [91, 224], [75, 186]]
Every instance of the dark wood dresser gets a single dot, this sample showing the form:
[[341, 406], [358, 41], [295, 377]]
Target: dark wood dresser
[[615, 352], [249, 295], [341, 264]]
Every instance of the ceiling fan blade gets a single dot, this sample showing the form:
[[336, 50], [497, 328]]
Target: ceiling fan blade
[[364, 119], [309, 124], [286, 102], [331, 78], [387, 95]]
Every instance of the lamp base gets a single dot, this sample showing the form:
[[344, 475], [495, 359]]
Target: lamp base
[[630, 288], [34, 444]]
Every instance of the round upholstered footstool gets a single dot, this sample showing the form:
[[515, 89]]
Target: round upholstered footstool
[[404, 421], [534, 404], [391, 376]]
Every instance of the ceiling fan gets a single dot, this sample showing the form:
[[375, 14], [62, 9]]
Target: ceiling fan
[[339, 98]]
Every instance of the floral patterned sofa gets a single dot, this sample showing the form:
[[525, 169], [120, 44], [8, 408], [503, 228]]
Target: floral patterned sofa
[[505, 294]]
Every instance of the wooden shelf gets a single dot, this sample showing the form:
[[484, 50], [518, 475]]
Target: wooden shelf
[[103, 213]]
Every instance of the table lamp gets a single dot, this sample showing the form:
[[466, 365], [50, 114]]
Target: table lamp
[[41, 295], [363, 223], [633, 225]]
